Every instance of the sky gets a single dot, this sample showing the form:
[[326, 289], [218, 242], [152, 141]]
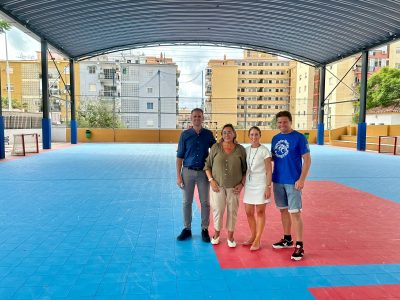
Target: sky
[[191, 60]]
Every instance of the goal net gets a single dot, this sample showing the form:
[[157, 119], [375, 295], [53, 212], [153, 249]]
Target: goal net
[[389, 144], [25, 143]]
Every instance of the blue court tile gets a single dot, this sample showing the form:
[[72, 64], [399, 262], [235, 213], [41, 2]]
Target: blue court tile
[[137, 297], [48, 270], [56, 291], [84, 289], [38, 280], [7, 293], [111, 289], [117, 267], [135, 288], [63, 279], [94, 268], [190, 295], [22, 271], [12, 282], [213, 285], [139, 276], [29, 293], [71, 269], [163, 296]]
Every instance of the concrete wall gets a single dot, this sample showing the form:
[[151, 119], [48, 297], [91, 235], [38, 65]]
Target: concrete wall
[[58, 134]]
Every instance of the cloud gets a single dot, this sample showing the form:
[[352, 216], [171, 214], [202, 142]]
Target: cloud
[[20, 45]]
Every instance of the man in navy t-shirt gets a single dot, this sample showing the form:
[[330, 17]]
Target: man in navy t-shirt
[[292, 160], [193, 147]]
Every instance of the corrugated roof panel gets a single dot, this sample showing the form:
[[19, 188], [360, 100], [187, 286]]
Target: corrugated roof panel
[[314, 31]]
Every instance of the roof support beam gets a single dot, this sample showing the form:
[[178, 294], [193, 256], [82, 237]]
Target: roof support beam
[[46, 121], [321, 104], [74, 125], [362, 126]]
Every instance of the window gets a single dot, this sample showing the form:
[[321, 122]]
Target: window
[[149, 105], [397, 65], [149, 90], [92, 69], [299, 89], [92, 87], [109, 73], [398, 50]]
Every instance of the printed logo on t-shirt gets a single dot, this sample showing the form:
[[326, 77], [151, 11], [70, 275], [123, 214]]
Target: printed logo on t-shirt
[[281, 148]]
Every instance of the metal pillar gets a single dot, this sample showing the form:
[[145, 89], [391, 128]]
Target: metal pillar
[[74, 124], [321, 104], [362, 126], [46, 121], [2, 144]]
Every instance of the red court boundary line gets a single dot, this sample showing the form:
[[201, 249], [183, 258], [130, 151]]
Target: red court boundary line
[[336, 218], [41, 151]]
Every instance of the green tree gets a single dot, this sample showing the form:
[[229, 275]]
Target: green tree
[[273, 123], [15, 104], [98, 115], [4, 25], [383, 88]]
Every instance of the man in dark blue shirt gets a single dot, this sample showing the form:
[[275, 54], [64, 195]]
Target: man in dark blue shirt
[[193, 147]]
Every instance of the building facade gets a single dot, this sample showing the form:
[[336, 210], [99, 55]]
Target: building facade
[[246, 92], [143, 91], [26, 86]]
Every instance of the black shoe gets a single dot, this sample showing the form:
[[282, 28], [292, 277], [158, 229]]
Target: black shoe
[[298, 253], [185, 234], [205, 236], [283, 244]]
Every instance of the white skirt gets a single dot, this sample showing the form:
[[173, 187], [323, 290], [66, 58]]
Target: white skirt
[[254, 193]]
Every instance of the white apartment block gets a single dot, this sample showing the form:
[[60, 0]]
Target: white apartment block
[[145, 94]]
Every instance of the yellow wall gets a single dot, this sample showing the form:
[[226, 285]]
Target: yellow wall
[[106, 135], [224, 94], [377, 130], [394, 130], [394, 58]]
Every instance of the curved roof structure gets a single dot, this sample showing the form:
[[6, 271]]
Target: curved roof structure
[[317, 32]]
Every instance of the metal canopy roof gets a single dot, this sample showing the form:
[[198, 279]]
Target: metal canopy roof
[[317, 32]]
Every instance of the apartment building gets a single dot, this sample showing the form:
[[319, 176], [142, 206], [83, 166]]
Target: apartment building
[[302, 83], [26, 87], [143, 90], [246, 92]]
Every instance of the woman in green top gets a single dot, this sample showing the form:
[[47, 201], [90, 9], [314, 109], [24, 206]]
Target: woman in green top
[[226, 170]]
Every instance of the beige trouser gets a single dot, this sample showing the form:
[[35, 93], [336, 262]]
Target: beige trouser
[[224, 198]]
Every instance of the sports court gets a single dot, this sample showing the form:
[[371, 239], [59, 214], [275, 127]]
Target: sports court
[[99, 221]]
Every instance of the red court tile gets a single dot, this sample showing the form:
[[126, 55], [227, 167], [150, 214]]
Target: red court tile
[[342, 226], [386, 291]]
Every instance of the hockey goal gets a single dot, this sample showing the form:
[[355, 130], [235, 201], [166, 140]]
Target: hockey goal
[[25, 143], [389, 144]]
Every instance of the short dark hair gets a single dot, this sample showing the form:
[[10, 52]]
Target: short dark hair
[[197, 110], [256, 128], [284, 113]]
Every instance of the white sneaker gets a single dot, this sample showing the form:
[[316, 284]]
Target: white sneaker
[[231, 244], [215, 241]]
